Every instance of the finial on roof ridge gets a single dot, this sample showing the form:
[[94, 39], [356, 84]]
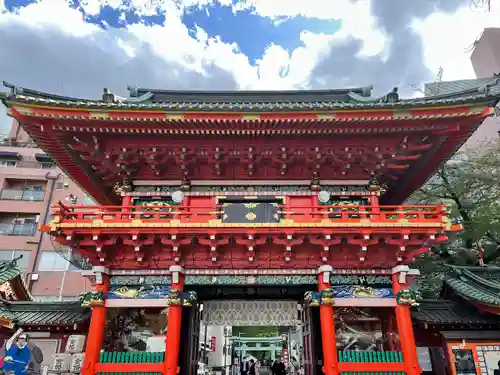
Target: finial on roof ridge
[[14, 90], [108, 96], [366, 91], [133, 90], [391, 97]]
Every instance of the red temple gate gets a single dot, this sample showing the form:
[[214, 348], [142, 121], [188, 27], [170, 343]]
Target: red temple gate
[[253, 186]]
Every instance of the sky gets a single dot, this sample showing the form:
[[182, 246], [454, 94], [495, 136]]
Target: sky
[[78, 47]]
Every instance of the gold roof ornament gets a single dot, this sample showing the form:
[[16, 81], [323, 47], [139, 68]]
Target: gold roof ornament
[[315, 183], [374, 185], [123, 187]]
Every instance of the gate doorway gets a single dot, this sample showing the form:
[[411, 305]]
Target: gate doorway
[[189, 351], [224, 335]]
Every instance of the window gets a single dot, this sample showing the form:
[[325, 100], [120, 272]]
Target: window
[[59, 185], [54, 261], [47, 165], [22, 263], [8, 163], [87, 201], [33, 188]]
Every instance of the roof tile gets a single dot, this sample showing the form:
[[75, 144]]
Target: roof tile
[[450, 312], [480, 284]]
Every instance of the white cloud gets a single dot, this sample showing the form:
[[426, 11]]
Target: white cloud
[[53, 14], [357, 20], [365, 49], [48, 46], [447, 38]]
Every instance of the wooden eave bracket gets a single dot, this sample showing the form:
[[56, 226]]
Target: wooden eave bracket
[[6, 323]]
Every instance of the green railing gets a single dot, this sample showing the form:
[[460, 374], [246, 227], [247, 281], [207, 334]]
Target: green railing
[[132, 357], [357, 356]]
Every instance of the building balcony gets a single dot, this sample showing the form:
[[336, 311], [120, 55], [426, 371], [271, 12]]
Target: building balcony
[[29, 195], [224, 217], [230, 236], [18, 229]]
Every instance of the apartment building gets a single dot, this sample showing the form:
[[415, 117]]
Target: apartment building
[[30, 183], [486, 55], [486, 62]]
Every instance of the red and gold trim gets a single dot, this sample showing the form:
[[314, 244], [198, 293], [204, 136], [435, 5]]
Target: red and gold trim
[[350, 115]]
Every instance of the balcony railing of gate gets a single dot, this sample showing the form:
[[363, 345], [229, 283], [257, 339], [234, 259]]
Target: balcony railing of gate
[[374, 363], [365, 356], [304, 214], [18, 229], [350, 362], [144, 363], [22, 195]]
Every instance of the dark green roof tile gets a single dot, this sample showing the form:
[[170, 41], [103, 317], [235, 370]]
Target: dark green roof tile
[[43, 313], [8, 271], [262, 101], [5, 312], [480, 284], [450, 312]]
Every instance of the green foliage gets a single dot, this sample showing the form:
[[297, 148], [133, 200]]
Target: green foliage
[[469, 185]]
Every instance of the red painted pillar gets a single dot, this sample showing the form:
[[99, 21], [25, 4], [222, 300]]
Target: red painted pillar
[[330, 360], [126, 201], [172, 341], [97, 325], [374, 202], [405, 329]]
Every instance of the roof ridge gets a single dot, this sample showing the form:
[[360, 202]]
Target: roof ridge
[[364, 89], [18, 90]]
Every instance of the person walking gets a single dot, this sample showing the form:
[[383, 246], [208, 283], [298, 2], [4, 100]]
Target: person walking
[[294, 366], [251, 368], [257, 367], [244, 367], [278, 367]]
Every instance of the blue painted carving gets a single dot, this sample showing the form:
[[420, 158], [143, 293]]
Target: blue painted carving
[[139, 292], [361, 291]]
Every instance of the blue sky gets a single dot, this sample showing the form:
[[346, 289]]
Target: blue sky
[[252, 32], [77, 47]]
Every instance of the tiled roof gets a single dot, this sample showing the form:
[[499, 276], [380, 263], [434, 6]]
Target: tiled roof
[[43, 313], [450, 312], [257, 101], [5, 312], [480, 284], [8, 271], [451, 87]]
